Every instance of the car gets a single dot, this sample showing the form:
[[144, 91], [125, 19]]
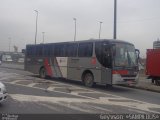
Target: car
[[3, 92], [21, 60]]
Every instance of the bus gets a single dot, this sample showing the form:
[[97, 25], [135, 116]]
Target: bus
[[101, 61]]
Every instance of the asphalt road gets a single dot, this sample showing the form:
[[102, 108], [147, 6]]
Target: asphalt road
[[29, 94]]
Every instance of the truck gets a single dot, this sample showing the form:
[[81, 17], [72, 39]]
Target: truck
[[153, 65]]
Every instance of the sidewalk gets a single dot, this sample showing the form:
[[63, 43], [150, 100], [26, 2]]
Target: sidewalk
[[146, 84], [143, 83]]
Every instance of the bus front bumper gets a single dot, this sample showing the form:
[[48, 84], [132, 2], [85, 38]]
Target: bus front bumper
[[117, 79]]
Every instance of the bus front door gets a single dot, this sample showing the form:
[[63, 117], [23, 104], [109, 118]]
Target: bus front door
[[106, 74], [107, 64]]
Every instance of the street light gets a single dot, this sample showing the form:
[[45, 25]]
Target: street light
[[43, 36], [36, 26], [9, 43], [115, 20], [75, 28], [100, 29]]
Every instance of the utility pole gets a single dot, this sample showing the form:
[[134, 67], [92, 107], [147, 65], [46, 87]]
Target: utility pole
[[36, 25], [9, 44], [115, 20], [100, 29], [75, 22], [43, 36]]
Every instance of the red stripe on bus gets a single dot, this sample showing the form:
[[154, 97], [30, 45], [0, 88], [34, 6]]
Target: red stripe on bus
[[93, 61], [121, 72], [47, 67]]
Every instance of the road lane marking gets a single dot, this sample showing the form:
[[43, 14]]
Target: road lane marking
[[78, 103], [31, 84], [137, 104], [106, 100], [15, 81], [66, 102], [48, 90]]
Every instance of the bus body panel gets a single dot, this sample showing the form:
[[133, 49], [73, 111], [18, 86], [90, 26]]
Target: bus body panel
[[62, 65], [69, 68], [30, 65], [78, 66]]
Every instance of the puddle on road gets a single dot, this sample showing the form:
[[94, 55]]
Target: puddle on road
[[78, 90], [96, 95], [45, 82], [125, 100], [62, 90], [41, 86], [24, 82]]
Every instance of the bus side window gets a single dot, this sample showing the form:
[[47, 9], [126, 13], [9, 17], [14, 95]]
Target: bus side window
[[56, 50], [85, 49], [47, 50], [31, 50], [39, 50], [28, 50], [60, 50], [72, 50]]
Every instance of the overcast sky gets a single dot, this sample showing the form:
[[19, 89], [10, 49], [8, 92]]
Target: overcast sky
[[138, 21]]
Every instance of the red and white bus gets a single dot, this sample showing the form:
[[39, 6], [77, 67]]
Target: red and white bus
[[104, 61]]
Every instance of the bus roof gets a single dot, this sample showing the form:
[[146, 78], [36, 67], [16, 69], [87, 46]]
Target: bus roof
[[90, 40]]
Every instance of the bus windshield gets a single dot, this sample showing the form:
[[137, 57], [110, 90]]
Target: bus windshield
[[124, 55]]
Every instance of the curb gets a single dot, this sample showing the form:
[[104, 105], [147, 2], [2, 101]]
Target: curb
[[142, 88]]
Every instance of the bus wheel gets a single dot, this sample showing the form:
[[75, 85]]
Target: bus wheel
[[88, 80], [42, 73]]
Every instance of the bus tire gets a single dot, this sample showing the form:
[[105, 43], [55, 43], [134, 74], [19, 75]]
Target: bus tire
[[42, 73], [88, 80]]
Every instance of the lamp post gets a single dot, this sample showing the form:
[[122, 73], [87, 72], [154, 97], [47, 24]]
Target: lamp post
[[43, 36], [100, 29], [9, 43], [115, 20], [36, 26], [75, 22]]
